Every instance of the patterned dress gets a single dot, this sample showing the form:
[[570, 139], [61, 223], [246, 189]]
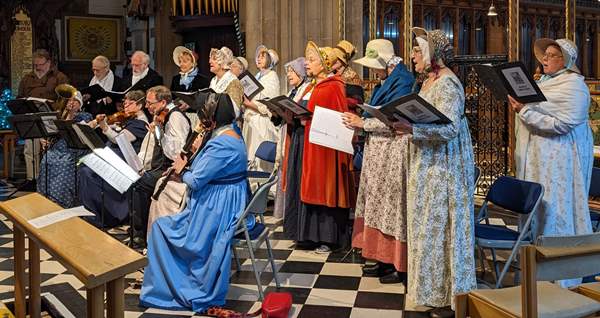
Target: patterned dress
[[440, 201], [555, 148], [58, 170]]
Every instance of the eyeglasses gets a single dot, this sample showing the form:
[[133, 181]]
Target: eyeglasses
[[40, 64], [149, 103], [550, 55]]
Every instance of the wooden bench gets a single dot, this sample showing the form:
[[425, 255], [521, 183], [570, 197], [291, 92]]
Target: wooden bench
[[94, 257]]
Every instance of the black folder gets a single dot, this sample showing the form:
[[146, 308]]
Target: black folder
[[286, 108], [510, 79], [251, 85], [96, 92], [411, 107]]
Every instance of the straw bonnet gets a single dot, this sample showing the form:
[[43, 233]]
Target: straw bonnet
[[326, 55], [344, 51], [272, 54], [377, 54], [180, 50], [567, 47]]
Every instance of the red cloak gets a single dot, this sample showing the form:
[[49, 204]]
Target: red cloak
[[325, 172]]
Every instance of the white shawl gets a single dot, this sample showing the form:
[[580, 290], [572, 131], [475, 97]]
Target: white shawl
[[219, 85]]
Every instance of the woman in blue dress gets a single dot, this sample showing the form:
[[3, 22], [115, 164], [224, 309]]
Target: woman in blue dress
[[189, 254], [57, 179]]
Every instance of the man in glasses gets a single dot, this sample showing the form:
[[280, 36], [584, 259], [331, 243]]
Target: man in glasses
[[142, 76], [39, 83]]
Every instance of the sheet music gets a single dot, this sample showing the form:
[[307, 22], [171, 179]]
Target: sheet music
[[49, 123], [328, 130], [111, 157], [58, 216], [41, 100], [107, 172], [129, 153]]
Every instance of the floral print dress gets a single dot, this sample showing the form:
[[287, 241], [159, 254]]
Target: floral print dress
[[440, 221]]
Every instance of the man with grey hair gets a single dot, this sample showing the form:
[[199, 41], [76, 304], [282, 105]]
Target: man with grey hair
[[104, 77], [142, 76]]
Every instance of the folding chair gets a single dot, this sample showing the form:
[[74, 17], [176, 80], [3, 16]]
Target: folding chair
[[595, 193], [519, 197], [554, 258], [252, 239], [266, 151]]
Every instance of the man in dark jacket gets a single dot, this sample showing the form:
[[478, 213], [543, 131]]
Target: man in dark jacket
[[142, 77]]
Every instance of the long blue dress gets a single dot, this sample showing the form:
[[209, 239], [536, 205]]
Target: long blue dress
[[189, 254]]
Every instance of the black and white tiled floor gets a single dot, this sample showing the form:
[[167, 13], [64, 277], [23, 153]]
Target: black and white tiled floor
[[321, 285]]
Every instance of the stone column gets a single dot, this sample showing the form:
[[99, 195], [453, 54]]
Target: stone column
[[570, 19], [287, 25], [406, 32]]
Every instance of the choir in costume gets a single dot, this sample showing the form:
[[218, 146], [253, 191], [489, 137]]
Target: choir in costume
[[189, 253], [57, 179], [554, 144], [440, 185], [326, 191], [257, 117], [380, 215]]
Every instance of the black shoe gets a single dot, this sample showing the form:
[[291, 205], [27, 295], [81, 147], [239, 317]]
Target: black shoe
[[393, 278], [441, 312], [379, 269], [139, 243]]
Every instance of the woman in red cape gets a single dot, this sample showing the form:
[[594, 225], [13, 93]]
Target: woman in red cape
[[326, 191]]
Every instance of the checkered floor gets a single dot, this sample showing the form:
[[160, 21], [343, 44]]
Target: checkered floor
[[321, 284]]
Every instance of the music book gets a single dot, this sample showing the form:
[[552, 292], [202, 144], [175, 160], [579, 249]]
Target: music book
[[191, 97], [36, 125], [327, 129], [510, 79], [251, 85], [286, 108], [66, 131], [411, 107], [96, 92], [29, 105]]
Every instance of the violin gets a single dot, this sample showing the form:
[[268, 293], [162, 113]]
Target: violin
[[160, 117], [117, 118]]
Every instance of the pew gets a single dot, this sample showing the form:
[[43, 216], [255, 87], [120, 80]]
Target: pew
[[94, 257]]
